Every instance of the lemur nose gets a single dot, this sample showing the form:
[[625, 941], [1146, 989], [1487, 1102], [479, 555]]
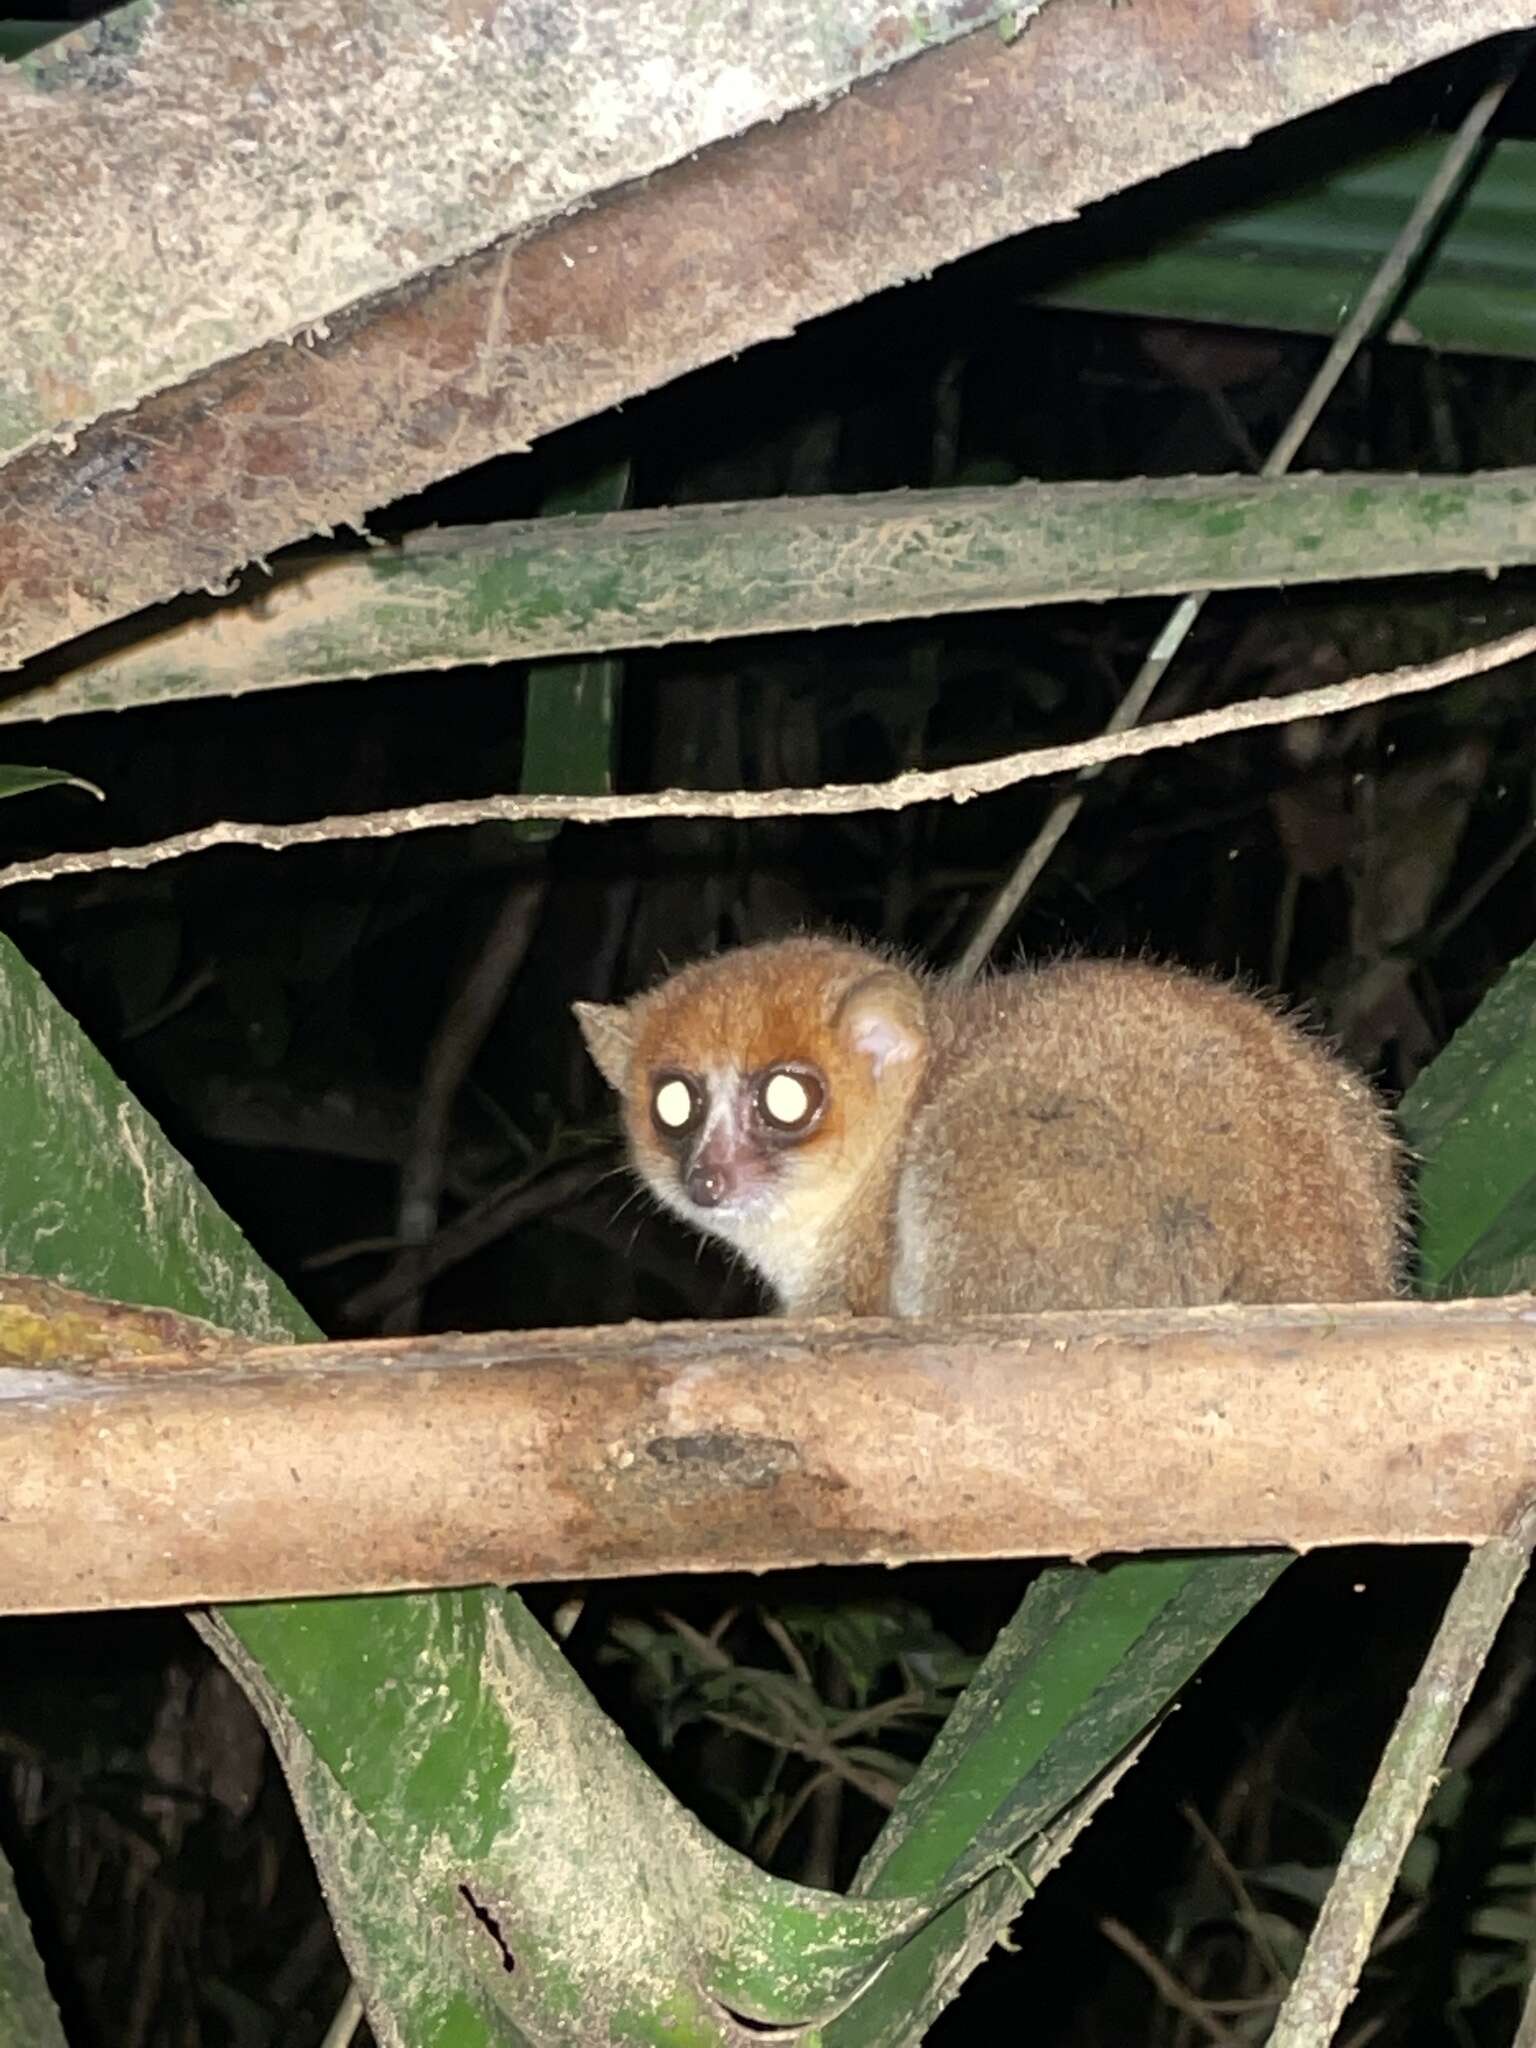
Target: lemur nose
[[707, 1185]]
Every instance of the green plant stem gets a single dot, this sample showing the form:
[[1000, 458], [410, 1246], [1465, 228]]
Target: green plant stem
[[1525, 2033], [543, 590], [1330, 1970], [349, 2017]]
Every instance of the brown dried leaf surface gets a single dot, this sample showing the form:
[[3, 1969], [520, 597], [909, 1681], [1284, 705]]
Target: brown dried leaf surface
[[210, 179], [976, 142]]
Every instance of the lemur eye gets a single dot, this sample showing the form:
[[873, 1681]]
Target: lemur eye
[[791, 1098], [677, 1103]]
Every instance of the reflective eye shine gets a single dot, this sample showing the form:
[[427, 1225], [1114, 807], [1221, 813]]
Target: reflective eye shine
[[674, 1104], [791, 1099], [786, 1099]]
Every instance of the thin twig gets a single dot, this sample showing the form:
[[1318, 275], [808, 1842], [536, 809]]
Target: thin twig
[[770, 1837], [1472, 896], [1410, 1764], [1242, 1898], [834, 799], [1170, 1988], [1364, 2035], [453, 1051], [1386, 976], [818, 1865], [1391, 271], [533, 1194], [1477, 1736], [1063, 813], [788, 1648], [811, 1748], [349, 2017]]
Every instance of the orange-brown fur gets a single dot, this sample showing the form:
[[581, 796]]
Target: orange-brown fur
[[1093, 1134]]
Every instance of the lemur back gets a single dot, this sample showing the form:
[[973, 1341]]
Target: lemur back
[[1106, 1134]]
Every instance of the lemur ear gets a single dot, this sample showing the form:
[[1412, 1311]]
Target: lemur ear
[[609, 1034], [882, 1018]]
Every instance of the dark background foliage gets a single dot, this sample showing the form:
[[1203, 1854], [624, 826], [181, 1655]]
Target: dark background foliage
[[278, 1013]]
